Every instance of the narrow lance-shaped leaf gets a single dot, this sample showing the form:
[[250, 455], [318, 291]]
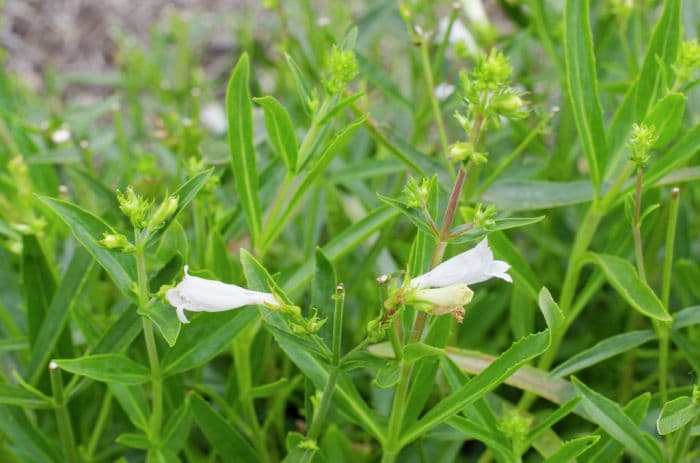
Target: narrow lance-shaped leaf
[[662, 50], [610, 416], [571, 449], [280, 131], [228, 443], [239, 110], [603, 350], [109, 368], [582, 84], [88, 230], [676, 414], [623, 277], [68, 290]]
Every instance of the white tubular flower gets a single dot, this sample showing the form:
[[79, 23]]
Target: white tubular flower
[[457, 295], [201, 295], [473, 266]]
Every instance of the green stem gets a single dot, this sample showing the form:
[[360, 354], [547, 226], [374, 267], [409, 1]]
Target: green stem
[[149, 338], [637, 227], [663, 328], [428, 74], [670, 244], [99, 426], [63, 422], [682, 442], [327, 394]]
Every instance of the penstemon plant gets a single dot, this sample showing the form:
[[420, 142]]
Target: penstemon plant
[[359, 267]]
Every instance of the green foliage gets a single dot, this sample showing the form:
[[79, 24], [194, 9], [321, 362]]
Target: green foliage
[[317, 177]]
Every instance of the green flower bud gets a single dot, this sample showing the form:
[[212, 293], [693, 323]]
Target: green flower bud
[[342, 68], [460, 151], [376, 329], [134, 207], [516, 427], [116, 241], [164, 211], [308, 444], [641, 141], [509, 105], [417, 193], [479, 157], [688, 60]]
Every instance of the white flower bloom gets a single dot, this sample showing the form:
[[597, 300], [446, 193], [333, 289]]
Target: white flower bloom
[[213, 117], [457, 295], [444, 90], [61, 135], [201, 295], [473, 266]]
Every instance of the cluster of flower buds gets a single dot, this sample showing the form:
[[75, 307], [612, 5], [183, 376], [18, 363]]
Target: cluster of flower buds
[[341, 70], [640, 143], [488, 93], [416, 192], [140, 213], [516, 427], [688, 60]]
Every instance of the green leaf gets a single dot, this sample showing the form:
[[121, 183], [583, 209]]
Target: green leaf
[[134, 440], [676, 414], [228, 443], [475, 234], [109, 368], [603, 350], [551, 311], [88, 230], [295, 197], [525, 195], [205, 337], [176, 430], [388, 375], [662, 50], [679, 154], [303, 86], [666, 117], [239, 110], [571, 449], [417, 350], [412, 213], [133, 401], [38, 284], [68, 291], [610, 417], [582, 84], [280, 131], [11, 395], [165, 318], [607, 448], [623, 277], [28, 442], [322, 291], [338, 107], [505, 365]]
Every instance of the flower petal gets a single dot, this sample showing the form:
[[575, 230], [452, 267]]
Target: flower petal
[[202, 295], [470, 267]]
